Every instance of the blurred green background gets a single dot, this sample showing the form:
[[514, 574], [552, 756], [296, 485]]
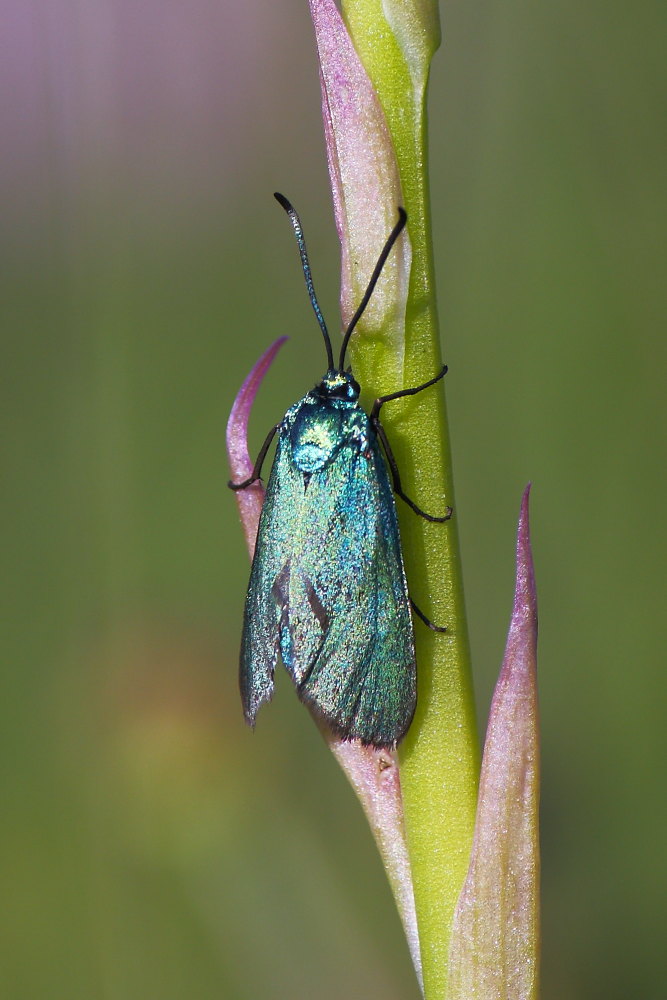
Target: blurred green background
[[152, 848]]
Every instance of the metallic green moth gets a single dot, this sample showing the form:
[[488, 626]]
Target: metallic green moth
[[327, 587]]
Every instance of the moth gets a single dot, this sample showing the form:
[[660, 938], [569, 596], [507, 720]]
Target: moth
[[328, 591]]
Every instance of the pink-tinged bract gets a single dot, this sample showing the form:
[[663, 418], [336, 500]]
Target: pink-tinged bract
[[494, 953], [375, 777], [364, 178], [249, 500]]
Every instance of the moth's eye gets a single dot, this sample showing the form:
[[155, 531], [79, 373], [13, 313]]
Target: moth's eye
[[346, 391]]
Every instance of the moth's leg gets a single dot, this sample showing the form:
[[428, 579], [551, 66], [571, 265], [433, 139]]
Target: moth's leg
[[427, 621], [380, 431], [395, 475], [257, 471], [381, 400]]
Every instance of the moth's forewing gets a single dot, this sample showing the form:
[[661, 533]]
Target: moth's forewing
[[362, 678], [273, 548], [346, 634]]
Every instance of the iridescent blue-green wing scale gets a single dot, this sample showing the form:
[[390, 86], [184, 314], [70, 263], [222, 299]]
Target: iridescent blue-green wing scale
[[263, 606], [346, 635]]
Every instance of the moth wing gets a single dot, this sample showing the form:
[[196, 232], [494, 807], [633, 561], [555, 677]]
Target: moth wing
[[347, 636], [264, 605]]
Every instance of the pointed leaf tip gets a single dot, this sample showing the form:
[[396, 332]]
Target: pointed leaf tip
[[495, 942], [251, 499], [525, 597]]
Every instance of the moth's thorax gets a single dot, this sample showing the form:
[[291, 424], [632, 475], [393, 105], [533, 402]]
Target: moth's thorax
[[325, 420]]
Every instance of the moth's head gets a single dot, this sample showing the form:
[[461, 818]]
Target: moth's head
[[339, 385]]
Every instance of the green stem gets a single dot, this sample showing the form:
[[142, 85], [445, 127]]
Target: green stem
[[440, 756]]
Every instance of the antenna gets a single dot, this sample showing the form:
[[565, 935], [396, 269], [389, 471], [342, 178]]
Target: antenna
[[305, 264], [393, 236]]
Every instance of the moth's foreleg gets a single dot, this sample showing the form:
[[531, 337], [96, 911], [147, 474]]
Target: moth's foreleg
[[396, 477], [381, 400], [257, 470]]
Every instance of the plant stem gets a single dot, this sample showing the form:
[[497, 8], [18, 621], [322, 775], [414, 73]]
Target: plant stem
[[440, 755]]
